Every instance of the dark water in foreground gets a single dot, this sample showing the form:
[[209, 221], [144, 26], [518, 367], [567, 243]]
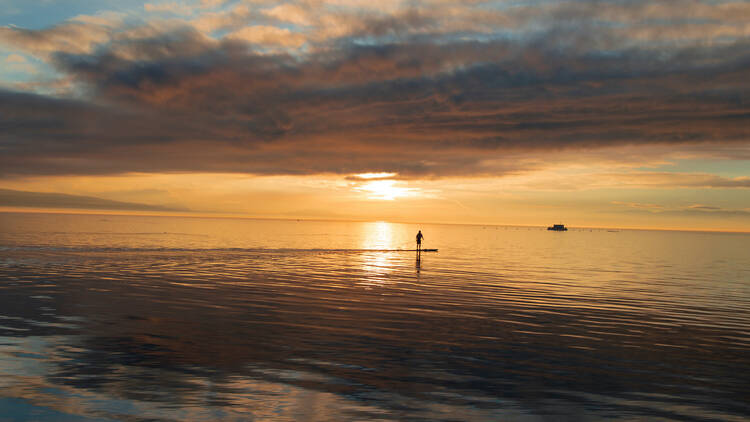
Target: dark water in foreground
[[146, 318]]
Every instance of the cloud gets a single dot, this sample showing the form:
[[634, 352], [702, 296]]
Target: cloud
[[231, 19], [14, 198], [677, 180], [169, 7], [18, 63], [701, 207], [706, 210], [268, 36], [212, 3], [73, 37], [291, 13], [431, 89], [693, 209], [15, 59], [641, 206]]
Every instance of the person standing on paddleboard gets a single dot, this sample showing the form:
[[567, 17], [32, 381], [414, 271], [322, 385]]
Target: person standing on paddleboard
[[419, 241]]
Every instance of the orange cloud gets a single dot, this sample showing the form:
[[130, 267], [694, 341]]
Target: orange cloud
[[268, 36]]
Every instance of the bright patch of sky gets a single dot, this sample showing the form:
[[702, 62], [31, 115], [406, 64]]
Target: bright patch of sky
[[45, 13]]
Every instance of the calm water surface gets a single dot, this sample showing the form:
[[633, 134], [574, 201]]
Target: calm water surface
[[163, 318]]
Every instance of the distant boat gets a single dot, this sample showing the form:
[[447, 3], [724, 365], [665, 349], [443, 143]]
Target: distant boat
[[558, 228]]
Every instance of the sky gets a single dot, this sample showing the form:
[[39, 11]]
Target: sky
[[589, 113]]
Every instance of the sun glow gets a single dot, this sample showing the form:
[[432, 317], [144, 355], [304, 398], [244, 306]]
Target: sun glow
[[385, 190], [381, 175]]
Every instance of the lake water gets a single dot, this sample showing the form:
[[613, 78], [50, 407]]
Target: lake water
[[166, 318]]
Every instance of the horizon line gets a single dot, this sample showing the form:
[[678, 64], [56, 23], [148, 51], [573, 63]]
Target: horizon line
[[183, 214]]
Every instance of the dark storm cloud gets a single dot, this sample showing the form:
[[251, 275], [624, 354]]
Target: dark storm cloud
[[419, 105]]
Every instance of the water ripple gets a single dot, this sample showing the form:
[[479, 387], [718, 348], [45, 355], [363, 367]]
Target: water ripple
[[144, 332]]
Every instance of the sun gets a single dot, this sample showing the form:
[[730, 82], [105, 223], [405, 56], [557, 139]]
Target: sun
[[385, 190], [381, 175], [382, 187]]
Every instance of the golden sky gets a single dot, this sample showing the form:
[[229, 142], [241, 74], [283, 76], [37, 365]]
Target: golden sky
[[626, 114]]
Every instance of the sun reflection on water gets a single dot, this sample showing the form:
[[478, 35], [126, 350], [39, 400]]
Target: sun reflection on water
[[377, 237]]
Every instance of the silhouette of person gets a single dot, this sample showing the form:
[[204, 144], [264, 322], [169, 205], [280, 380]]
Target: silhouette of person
[[419, 241]]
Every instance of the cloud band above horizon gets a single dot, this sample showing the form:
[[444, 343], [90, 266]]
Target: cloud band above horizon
[[426, 89]]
